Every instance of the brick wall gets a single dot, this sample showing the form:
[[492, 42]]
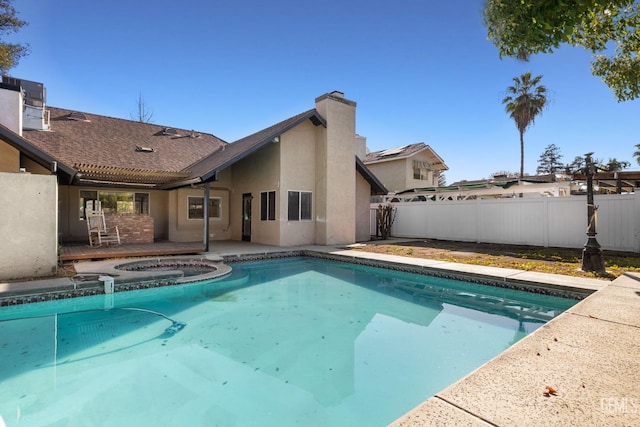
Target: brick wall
[[132, 228]]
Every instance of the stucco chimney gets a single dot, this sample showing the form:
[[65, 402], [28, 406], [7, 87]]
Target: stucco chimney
[[33, 111], [11, 103], [361, 147], [336, 171]]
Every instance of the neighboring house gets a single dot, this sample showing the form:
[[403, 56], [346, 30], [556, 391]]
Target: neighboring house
[[301, 181], [406, 167], [500, 186]]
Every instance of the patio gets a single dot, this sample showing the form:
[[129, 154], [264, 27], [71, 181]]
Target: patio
[[83, 252], [78, 251]]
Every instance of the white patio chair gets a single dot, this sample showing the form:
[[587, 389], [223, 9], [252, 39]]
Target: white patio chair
[[99, 234]]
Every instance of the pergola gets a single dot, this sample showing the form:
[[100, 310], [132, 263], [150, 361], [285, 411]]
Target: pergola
[[614, 182]]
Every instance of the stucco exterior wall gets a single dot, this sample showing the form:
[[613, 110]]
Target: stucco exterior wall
[[298, 173], [392, 174], [361, 147], [363, 219], [159, 210], [28, 225], [33, 167], [183, 229], [11, 110], [11, 118], [254, 174], [12, 161], [9, 158]]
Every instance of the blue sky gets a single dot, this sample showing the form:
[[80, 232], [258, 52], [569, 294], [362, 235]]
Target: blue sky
[[420, 71]]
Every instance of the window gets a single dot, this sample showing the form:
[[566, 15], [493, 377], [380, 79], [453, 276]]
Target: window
[[268, 206], [87, 198], [299, 206], [421, 174], [114, 202], [421, 169], [141, 201], [196, 207]]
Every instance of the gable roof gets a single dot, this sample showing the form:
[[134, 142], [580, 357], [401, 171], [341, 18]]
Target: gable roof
[[118, 151], [404, 152], [207, 167]]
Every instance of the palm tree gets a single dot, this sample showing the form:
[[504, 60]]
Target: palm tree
[[637, 153], [524, 101]]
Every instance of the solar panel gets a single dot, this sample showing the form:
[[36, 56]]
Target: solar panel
[[393, 151]]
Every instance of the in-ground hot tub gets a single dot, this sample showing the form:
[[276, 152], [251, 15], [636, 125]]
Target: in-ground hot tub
[[189, 269]]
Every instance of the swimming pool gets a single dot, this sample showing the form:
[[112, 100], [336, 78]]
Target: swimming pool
[[299, 341]]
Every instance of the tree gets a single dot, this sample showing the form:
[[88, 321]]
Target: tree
[[636, 154], [504, 174], [442, 180], [615, 165], [525, 100], [520, 28], [385, 215], [144, 115], [549, 161], [575, 166], [10, 53]]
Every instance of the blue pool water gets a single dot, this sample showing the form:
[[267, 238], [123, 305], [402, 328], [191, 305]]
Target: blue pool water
[[277, 343]]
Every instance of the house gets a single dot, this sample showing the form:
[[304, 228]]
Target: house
[[498, 187], [301, 181], [406, 167]]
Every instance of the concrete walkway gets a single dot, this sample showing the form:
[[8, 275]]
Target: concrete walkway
[[588, 356]]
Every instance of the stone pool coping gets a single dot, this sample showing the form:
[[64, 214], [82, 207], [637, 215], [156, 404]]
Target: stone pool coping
[[90, 275], [589, 354]]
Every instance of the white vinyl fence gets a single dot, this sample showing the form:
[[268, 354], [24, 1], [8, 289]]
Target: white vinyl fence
[[543, 221]]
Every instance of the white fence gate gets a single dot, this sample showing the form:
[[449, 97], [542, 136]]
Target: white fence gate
[[543, 221]]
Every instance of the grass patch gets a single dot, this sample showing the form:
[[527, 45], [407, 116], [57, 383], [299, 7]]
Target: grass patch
[[563, 261]]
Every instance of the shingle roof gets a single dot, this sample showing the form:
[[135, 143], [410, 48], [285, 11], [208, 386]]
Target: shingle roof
[[118, 143], [124, 152], [32, 152], [402, 153]]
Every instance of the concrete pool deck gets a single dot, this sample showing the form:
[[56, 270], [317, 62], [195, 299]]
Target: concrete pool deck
[[590, 355]]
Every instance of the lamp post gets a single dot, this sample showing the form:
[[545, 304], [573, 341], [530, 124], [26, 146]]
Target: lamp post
[[592, 259]]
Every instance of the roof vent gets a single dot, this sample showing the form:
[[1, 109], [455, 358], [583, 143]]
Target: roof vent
[[145, 149], [194, 134], [77, 116], [170, 131]]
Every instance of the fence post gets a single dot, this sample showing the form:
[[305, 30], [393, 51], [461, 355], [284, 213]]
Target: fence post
[[545, 222], [477, 223], [636, 215]]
